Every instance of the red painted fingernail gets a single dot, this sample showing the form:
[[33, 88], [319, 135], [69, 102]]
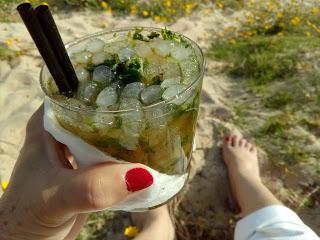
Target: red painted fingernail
[[138, 179], [227, 139]]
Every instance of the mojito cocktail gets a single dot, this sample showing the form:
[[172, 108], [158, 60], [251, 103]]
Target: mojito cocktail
[[138, 97]]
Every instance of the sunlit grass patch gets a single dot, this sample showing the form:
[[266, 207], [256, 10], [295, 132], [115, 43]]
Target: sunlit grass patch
[[274, 52]]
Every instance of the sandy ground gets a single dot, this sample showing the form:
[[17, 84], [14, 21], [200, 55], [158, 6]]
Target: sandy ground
[[20, 95]]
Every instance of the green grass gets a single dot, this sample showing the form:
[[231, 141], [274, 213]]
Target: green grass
[[263, 59], [277, 65]]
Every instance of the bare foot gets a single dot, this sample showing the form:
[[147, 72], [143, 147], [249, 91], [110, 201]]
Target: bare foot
[[155, 224], [241, 159]]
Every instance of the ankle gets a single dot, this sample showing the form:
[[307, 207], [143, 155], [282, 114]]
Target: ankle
[[244, 177]]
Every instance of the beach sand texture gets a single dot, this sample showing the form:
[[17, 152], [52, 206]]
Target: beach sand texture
[[204, 198]]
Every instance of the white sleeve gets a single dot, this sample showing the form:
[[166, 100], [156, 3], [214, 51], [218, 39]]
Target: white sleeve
[[273, 222]]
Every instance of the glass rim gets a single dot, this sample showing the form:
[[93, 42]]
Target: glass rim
[[104, 32]]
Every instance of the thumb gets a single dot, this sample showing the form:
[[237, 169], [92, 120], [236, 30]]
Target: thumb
[[102, 186]]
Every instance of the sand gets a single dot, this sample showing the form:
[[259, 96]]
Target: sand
[[204, 199]]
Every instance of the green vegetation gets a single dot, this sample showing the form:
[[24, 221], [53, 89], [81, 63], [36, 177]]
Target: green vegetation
[[160, 11], [274, 54], [6, 53], [262, 59]]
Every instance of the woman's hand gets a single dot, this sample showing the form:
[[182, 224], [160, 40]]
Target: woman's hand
[[46, 199]]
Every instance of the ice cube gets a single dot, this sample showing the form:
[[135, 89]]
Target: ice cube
[[173, 91], [163, 47], [190, 70], [129, 103], [103, 121], [82, 74], [99, 58], [143, 50], [103, 75], [152, 70], [116, 85], [83, 57], [170, 69], [181, 53], [107, 97], [169, 82], [151, 94], [156, 117], [132, 122], [132, 90], [114, 47], [129, 142], [125, 54], [88, 91], [95, 45]]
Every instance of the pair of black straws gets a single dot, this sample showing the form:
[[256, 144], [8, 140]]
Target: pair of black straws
[[45, 34]]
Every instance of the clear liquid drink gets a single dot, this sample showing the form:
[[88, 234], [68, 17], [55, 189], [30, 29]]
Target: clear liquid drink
[[138, 97]]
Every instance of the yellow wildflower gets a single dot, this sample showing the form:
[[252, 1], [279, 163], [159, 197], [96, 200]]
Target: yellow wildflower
[[104, 4], [163, 19], [131, 231], [267, 26], [168, 3], [133, 9], [4, 185], [221, 34], [233, 41], [280, 34], [280, 15], [308, 34], [145, 13], [188, 7], [9, 42], [250, 20], [315, 10], [221, 5], [296, 21], [45, 3], [26, 1], [157, 18], [271, 7]]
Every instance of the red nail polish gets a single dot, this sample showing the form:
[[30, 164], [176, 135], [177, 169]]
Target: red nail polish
[[227, 139], [138, 179]]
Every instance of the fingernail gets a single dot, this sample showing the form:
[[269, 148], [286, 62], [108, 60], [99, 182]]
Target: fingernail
[[227, 139], [138, 179]]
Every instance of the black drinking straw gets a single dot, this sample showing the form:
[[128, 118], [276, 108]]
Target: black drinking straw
[[52, 33], [30, 19]]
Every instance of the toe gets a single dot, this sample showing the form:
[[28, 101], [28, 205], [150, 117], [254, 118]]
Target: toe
[[248, 145], [235, 141], [227, 142], [253, 149], [242, 142]]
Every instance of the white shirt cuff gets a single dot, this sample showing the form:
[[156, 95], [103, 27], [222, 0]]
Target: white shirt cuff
[[275, 219]]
